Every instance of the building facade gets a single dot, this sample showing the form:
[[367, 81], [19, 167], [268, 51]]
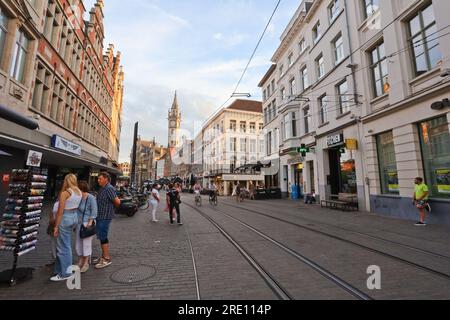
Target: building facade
[[362, 85], [54, 72], [126, 169], [233, 139]]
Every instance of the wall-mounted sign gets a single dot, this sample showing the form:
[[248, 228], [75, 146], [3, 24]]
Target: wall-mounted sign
[[439, 105], [296, 160], [335, 140], [443, 181], [65, 145], [34, 159], [351, 144]]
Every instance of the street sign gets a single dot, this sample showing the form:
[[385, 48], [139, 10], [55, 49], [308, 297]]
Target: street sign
[[351, 144]]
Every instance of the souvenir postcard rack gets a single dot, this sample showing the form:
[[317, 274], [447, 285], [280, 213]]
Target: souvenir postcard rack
[[20, 221]]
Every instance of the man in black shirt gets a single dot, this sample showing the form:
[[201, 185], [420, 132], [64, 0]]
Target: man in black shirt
[[173, 197]]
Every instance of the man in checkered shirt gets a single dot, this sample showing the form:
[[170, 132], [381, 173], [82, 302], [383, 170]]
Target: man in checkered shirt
[[106, 200]]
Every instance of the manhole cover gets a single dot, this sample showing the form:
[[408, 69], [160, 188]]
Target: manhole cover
[[133, 274]]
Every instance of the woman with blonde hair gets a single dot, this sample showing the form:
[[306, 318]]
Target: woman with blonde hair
[[65, 222]]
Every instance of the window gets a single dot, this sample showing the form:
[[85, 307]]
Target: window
[[283, 94], [435, 142], [233, 125], [269, 143], [333, 10], [273, 85], [387, 164], [316, 32], [290, 59], [305, 81], [422, 37], [287, 127], [342, 90], [3, 32], [41, 91], [320, 65], [19, 57], [292, 88], [323, 105], [281, 70], [243, 145], [261, 146], [338, 45], [264, 95], [252, 146], [252, 127], [233, 142], [243, 127], [379, 70], [370, 7], [302, 46], [269, 93], [274, 109], [294, 124], [261, 126], [307, 119], [266, 117]]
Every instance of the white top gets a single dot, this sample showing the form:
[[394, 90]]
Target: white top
[[156, 194], [73, 202]]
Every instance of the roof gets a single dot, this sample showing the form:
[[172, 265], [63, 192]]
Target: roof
[[267, 75], [246, 105]]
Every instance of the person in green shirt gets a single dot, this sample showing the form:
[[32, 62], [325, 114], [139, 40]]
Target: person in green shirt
[[420, 199]]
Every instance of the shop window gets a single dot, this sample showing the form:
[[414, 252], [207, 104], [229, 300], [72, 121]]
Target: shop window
[[435, 142], [387, 163]]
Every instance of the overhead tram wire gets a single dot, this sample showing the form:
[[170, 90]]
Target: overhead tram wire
[[249, 62]]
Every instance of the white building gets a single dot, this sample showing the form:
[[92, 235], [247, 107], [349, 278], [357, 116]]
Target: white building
[[233, 139]]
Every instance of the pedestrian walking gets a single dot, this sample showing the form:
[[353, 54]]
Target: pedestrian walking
[[420, 200], [65, 222], [50, 232], [252, 191], [238, 192], [106, 201], [173, 197], [154, 201], [87, 213]]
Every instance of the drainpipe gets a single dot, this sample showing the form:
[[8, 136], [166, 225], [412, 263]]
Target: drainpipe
[[358, 117]]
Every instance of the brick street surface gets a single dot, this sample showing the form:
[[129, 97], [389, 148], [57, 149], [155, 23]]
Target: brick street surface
[[224, 274]]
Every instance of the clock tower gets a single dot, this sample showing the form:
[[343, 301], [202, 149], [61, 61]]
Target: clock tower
[[174, 124]]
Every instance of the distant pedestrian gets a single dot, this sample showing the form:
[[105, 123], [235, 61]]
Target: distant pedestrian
[[154, 201], [173, 198], [106, 201], [87, 213], [252, 191], [50, 232], [238, 192], [420, 200], [65, 222]]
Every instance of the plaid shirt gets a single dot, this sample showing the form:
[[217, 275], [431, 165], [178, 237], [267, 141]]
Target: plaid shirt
[[105, 203]]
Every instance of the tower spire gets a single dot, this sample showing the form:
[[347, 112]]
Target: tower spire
[[175, 102]]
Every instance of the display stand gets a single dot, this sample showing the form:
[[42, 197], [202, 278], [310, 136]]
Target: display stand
[[20, 223]]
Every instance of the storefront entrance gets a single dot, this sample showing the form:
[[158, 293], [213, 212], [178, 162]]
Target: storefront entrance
[[342, 178]]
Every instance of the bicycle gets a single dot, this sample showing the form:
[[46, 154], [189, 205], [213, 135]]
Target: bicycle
[[213, 200], [198, 200], [142, 201]]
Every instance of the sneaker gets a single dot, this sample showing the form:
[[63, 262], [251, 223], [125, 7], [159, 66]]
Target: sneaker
[[103, 263], [180, 223], [420, 224], [96, 260], [155, 221], [58, 278], [85, 268]]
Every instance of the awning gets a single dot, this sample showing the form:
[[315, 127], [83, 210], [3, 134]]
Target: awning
[[17, 118], [56, 157], [3, 153], [272, 169]]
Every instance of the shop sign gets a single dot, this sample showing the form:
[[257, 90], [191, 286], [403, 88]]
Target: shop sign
[[5, 178], [94, 174], [439, 105], [296, 160], [65, 145], [335, 140], [34, 159], [351, 144]]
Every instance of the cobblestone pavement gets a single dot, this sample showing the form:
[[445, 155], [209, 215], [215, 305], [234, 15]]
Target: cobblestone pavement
[[162, 255]]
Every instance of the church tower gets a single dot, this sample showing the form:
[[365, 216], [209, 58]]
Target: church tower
[[174, 124]]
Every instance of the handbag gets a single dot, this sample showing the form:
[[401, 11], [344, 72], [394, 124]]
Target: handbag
[[87, 232]]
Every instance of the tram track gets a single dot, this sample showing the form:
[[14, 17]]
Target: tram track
[[274, 285], [336, 237]]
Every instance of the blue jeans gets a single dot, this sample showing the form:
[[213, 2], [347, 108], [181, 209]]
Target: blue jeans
[[63, 266]]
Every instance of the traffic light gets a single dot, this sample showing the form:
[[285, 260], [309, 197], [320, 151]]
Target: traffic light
[[303, 150]]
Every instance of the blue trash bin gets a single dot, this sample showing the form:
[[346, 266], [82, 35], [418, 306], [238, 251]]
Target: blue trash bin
[[294, 192]]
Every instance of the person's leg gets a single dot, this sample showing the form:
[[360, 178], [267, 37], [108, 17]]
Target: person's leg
[[177, 207], [64, 247], [422, 215], [79, 247], [154, 208], [171, 208]]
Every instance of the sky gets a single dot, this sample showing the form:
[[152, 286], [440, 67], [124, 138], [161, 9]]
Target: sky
[[197, 47]]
